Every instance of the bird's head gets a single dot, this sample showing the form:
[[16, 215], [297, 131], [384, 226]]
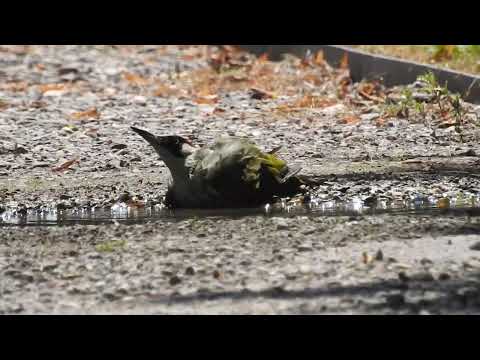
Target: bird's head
[[169, 148]]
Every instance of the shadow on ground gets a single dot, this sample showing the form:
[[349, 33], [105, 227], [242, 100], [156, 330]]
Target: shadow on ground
[[391, 296]]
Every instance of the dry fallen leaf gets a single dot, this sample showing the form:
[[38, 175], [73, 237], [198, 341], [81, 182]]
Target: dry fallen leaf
[[371, 97], [189, 57], [15, 86], [90, 113], [205, 92], [447, 123], [134, 79], [370, 91], [319, 59], [306, 60], [237, 77], [343, 85], [260, 94], [51, 87], [218, 60], [445, 114], [344, 62], [380, 121], [310, 101], [209, 100], [163, 90], [350, 119], [65, 166], [3, 105], [314, 79]]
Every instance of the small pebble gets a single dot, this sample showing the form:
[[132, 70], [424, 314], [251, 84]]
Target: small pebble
[[174, 280], [475, 247]]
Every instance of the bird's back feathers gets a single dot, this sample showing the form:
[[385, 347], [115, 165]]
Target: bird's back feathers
[[239, 173]]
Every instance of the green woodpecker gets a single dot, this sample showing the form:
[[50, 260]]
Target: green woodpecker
[[231, 173]]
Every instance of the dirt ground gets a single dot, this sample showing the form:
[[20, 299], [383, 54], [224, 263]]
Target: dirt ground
[[65, 143]]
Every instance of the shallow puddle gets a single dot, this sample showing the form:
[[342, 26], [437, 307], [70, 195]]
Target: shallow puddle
[[125, 214]]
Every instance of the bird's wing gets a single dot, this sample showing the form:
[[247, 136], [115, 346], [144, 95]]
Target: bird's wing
[[237, 161]]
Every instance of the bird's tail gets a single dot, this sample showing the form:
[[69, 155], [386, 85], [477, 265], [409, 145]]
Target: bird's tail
[[290, 172]]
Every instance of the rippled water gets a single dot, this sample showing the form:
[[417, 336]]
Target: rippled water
[[124, 214]]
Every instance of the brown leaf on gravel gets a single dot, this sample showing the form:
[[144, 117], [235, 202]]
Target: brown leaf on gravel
[[380, 122], [445, 114], [49, 87], [343, 85], [209, 99], [3, 105], [314, 79], [65, 166], [14, 86], [319, 58], [219, 59], [134, 79], [350, 119], [367, 88], [163, 90], [237, 77], [344, 62], [260, 94], [87, 114], [374, 98], [447, 123], [312, 60], [188, 57], [205, 92], [307, 101], [310, 101], [370, 91], [306, 60]]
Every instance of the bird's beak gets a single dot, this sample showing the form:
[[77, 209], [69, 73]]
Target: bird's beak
[[150, 138]]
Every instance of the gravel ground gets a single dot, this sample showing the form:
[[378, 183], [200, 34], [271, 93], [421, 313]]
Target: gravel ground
[[65, 142]]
